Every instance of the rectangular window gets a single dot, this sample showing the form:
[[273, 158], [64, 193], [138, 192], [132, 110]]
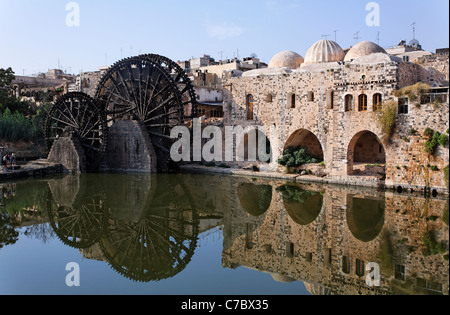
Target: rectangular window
[[293, 101], [400, 272], [403, 105], [360, 268], [346, 264]]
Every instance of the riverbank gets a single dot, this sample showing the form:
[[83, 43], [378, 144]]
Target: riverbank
[[36, 168], [354, 180], [364, 181]]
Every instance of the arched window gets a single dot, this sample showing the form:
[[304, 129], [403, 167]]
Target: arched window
[[348, 103], [362, 103], [250, 106], [310, 96], [377, 102], [269, 98]]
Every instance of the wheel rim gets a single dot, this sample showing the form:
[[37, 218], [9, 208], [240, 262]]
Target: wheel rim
[[77, 114]]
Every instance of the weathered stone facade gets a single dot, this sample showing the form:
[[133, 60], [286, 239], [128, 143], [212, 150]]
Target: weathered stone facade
[[129, 149], [336, 103]]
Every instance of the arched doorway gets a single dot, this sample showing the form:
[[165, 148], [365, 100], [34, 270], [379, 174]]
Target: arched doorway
[[306, 139], [366, 155]]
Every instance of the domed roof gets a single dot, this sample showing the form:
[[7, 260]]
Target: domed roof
[[324, 51], [362, 49], [286, 59]]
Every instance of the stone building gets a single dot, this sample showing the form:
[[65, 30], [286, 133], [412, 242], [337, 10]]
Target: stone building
[[330, 102]]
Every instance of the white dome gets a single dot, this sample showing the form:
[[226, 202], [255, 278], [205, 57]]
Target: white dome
[[286, 59], [324, 51], [363, 49]]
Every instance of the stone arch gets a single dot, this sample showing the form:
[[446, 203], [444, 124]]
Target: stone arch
[[365, 153], [308, 140]]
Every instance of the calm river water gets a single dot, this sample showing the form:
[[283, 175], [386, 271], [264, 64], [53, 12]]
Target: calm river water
[[217, 235]]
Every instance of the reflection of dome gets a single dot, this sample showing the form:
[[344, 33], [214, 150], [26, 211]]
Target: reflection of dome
[[282, 278], [316, 289], [286, 59], [365, 218], [363, 49], [324, 51]]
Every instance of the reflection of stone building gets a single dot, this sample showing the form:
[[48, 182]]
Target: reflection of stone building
[[329, 102], [323, 236], [326, 236]]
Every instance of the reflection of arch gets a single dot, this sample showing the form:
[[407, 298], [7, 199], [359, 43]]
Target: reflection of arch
[[365, 217], [307, 140], [255, 199], [365, 148], [303, 206]]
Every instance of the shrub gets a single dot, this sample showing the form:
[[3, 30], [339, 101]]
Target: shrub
[[295, 157], [388, 119], [15, 127], [432, 247], [443, 140], [434, 139], [414, 92]]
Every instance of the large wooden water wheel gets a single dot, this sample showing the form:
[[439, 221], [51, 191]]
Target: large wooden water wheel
[[152, 89], [78, 114]]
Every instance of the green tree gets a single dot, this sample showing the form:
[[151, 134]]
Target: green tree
[[7, 98]]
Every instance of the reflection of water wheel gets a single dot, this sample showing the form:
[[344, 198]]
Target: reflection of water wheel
[[160, 245], [77, 114], [146, 88], [81, 225]]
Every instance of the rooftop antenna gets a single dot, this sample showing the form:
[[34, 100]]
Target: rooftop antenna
[[221, 55], [414, 30], [325, 36], [356, 36], [335, 35], [378, 38]]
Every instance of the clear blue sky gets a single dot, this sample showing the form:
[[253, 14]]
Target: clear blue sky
[[34, 34]]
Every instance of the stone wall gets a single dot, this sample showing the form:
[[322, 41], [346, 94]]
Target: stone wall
[[391, 234], [320, 108], [129, 149]]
